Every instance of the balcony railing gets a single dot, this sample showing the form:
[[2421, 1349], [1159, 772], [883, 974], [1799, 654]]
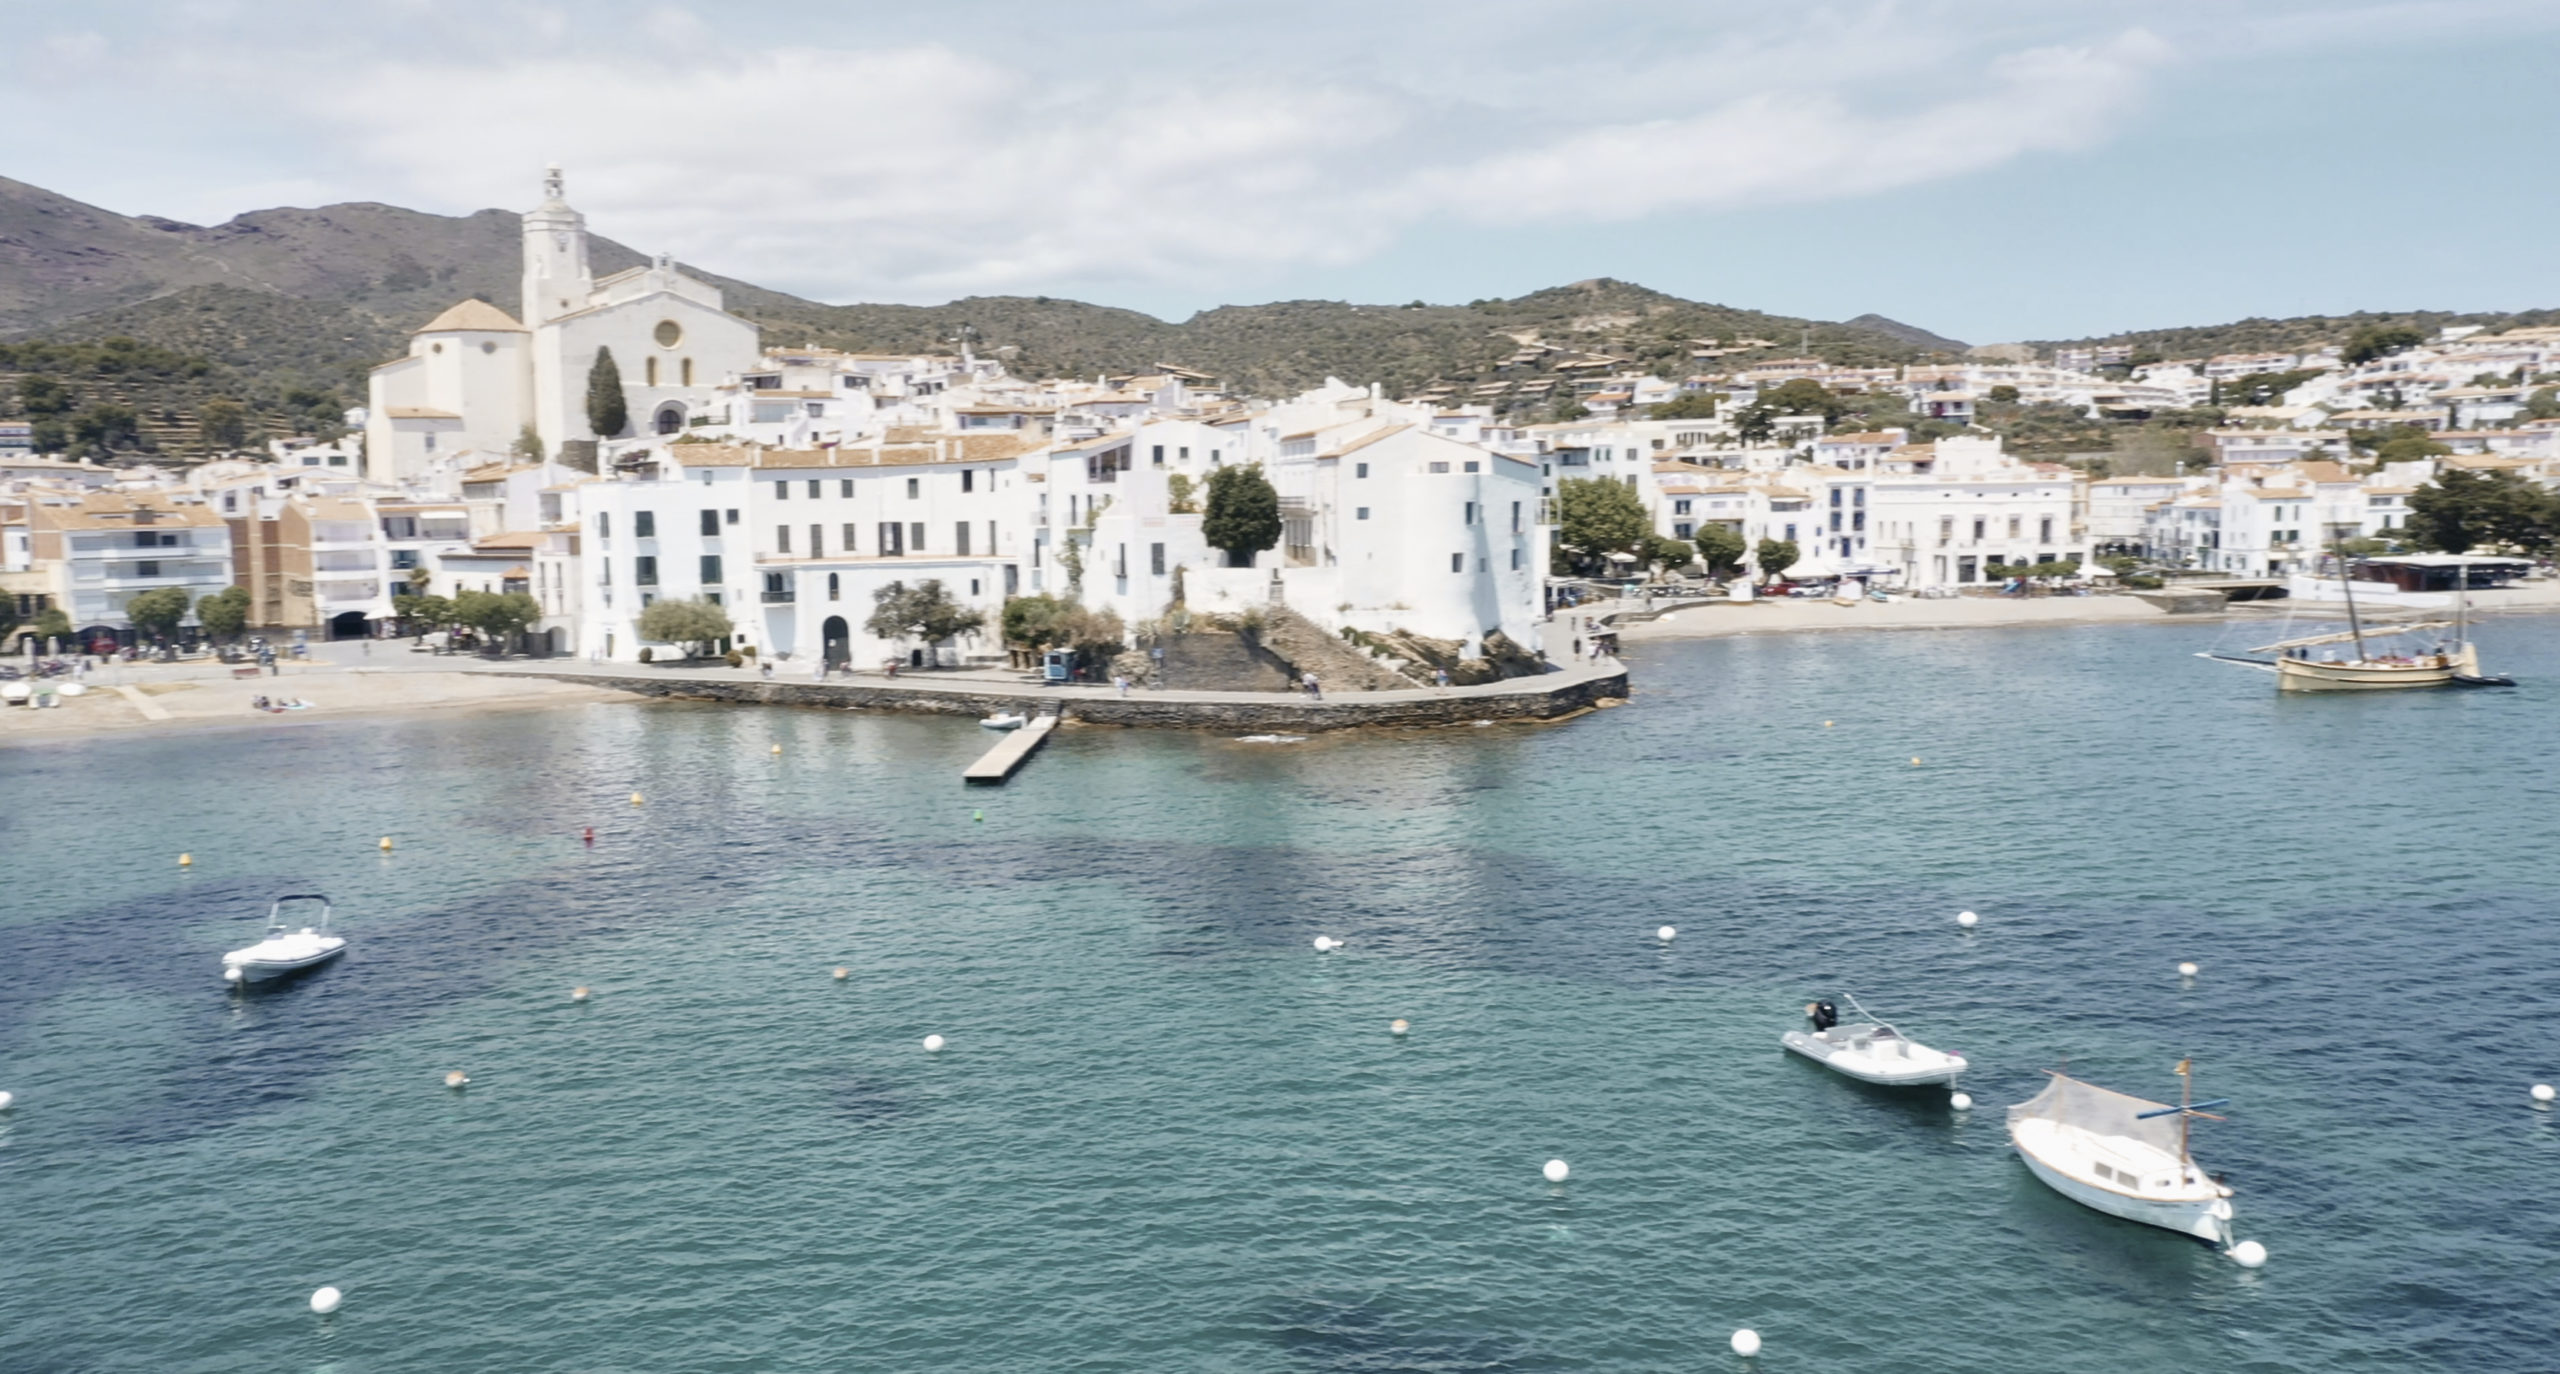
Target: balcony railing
[[776, 598]]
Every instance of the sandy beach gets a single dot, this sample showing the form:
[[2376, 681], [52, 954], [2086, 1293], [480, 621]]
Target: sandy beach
[[143, 698]]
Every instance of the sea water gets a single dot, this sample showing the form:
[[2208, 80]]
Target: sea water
[[1168, 1134]]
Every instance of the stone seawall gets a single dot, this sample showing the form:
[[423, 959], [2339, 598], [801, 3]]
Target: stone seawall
[[1540, 698]]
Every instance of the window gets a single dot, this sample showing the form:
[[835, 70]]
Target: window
[[1858, 497], [915, 536], [1683, 530], [711, 570], [969, 478], [1469, 517], [1439, 467], [1359, 469], [782, 539], [668, 334], [1946, 528], [782, 491], [1791, 534], [845, 544], [1457, 562], [1213, 462], [711, 595], [1515, 517], [1159, 455], [604, 524], [1362, 514], [1184, 454], [1978, 524], [835, 587], [2014, 522], [1155, 559], [684, 372], [1680, 507], [729, 516], [430, 444], [644, 524], [892, 539], [960, 538], [1474, 466], [2044, 530], [1515, 560], [1835, 496], [146, 568], [644, 572], [711, 522], [915, 488], [649, 372], [817, 541], [813, 488], [844, 487], [1120, 561]]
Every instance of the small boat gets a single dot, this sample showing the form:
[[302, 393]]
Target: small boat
[[1006, 720], [2372, 663], [285, 951], [1871, 1051], [2121, 1155], [1274, 739]]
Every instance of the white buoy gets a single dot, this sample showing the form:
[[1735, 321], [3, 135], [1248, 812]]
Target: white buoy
[[1746, 1342], [2542, 1092], [1666, 934], [457, 1080], [325, 1300], [2248, 1254], [1962, 1102], [2187, 970], [933, 1044], [1395, 1027], [843, 973], [1967, 919], [7, 1098], [777, 748], [578, 994], [1557, 1171], [1326, 944]]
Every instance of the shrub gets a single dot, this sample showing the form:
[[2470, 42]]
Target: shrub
[[735, 659], [646, 655]]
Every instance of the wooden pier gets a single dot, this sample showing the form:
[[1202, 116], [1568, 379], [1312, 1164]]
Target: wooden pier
[[1011, 752]]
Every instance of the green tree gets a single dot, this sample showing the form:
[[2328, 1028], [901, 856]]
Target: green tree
[[1035, 622], [695, 624], [9, 618], [2380, 340], [2462, 510], [105, 427], [1688, 405], [224, 424], [1179, 498], [528, 445], [155, 614], [1567, 410], [1721, 546], [1243, 514], [51, 623], [607, 413], [2002, 395], [2543, 404], [2407, 443], [40, 396], [1596, 517], [425, 614], [498, 616], [1804, 396], [1776, 556], [225, 613], [1670, 553], [924, 612], [1756, 423]]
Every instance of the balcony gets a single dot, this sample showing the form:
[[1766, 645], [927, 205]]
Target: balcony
[[780, 598]]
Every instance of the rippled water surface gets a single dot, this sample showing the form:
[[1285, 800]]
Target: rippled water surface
[[1169, 1135]]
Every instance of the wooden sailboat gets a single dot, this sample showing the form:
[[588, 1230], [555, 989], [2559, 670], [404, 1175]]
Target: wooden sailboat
[[2376, 664]]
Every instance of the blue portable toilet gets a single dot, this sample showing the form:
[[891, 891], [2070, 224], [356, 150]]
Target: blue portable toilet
[[1057, 665]]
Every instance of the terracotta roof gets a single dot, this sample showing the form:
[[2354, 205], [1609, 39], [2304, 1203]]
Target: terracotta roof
[[521, 539], [475, 315]]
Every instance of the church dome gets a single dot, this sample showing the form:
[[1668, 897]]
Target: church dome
[[475, 315]]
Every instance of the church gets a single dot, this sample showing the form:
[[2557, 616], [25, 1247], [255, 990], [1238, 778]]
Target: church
[[476, 379]]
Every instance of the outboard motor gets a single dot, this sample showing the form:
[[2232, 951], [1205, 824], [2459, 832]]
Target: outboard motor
[[1825, 1015]]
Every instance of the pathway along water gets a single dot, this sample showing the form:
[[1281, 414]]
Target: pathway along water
[[1166, 1133]]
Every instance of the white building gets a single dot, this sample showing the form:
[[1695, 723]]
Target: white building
[[1942, 514], [107, 547]]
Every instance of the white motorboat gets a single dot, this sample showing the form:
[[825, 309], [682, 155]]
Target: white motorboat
[[285, 950], [2122, 1155], [1005, 720], [1872, 1051]]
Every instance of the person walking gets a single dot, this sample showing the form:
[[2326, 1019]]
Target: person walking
[[1315, 689], [1120, 682], [1441, 676]]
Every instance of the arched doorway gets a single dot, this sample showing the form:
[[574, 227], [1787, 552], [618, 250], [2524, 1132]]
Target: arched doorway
[[348, 625], [839, 638], [670, 419]]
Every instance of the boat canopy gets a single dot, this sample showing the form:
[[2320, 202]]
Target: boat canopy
[[2386, 628], [2104, 1111]]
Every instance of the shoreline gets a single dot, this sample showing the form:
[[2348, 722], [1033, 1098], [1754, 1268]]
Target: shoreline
[[1717, 620], [195, 704]]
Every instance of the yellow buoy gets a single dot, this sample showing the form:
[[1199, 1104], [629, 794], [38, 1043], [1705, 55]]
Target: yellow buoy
[[1826, 725], [635, 799], [386, 844], [186, 859]]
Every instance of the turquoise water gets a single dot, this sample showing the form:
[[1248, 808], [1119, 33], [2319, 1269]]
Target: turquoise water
[[1169, 1135]]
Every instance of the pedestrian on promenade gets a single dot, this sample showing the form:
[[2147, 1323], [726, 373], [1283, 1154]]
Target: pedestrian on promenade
[[765, 666], [1315, 689], [1120, 682], [1441, 676]]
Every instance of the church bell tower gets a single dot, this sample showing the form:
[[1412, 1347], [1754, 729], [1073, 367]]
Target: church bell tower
[[556, 279]]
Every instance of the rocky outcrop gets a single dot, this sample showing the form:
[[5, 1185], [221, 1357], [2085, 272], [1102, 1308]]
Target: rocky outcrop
[[1338, 664], [1502, 658]]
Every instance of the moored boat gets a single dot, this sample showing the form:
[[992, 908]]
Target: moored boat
[[1005, 720], [1871, 1051], [285, 951], [2122, 1155]]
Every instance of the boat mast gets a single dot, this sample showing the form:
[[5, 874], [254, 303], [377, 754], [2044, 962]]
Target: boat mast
[[2186, 1104], [2346, 583]]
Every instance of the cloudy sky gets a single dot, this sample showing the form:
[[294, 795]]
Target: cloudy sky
[[1991, 169]]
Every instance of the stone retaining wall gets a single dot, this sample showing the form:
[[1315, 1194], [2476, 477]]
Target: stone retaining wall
[[1517, 699]]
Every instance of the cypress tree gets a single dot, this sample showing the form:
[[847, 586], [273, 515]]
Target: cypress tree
[[607, 416]]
